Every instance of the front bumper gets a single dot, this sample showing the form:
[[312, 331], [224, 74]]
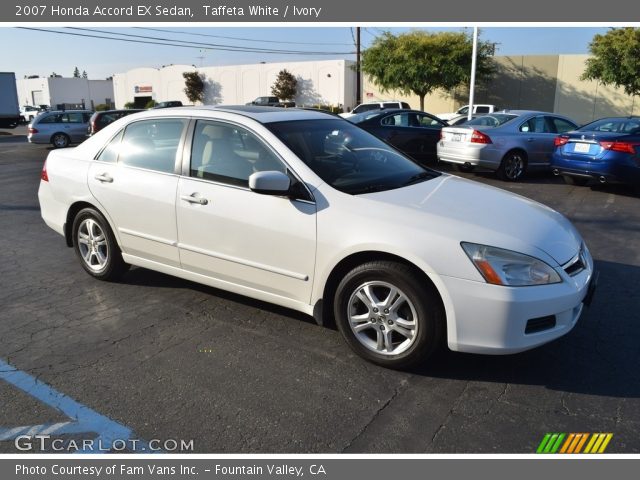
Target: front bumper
[[493, 319]]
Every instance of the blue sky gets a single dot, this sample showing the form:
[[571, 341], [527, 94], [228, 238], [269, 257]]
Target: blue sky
[[29, 52]]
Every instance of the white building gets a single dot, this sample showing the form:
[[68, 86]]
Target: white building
[[55, 91], [327, 82]]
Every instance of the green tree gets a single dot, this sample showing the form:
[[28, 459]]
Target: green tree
[[76, 73], [84, 74], [150, 104], [129, 105], [102, 107], [285, 86], [420, 62], [616, 59], [194, 86]]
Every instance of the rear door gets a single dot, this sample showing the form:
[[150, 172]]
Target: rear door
[[135, 180], [536, 137], [413, 133]]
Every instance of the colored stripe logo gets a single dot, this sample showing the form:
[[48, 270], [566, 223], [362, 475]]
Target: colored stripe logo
[[574, 443]]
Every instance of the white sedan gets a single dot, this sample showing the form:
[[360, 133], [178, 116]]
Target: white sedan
[[306, 210]]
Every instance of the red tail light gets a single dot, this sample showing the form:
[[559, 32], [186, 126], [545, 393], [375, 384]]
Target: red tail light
[[624, 147], [560, 140], [43, 175], [33, 130], [479, 137]]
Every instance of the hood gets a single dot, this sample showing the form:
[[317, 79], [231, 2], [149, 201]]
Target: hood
[[470, 211]]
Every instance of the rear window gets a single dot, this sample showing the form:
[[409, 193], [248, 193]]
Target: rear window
[[494, 120], [630, 126], [482, 109]]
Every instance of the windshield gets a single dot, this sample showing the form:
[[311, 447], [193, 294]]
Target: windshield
[[493, 120], [361, 117], [348, 158]]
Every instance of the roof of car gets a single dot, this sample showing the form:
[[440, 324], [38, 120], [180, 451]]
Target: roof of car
[[260, 114]]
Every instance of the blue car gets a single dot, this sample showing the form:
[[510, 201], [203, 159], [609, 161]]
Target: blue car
[[607, 150]]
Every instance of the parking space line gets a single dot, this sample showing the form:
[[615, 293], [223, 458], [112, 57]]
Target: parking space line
[[83, 419]]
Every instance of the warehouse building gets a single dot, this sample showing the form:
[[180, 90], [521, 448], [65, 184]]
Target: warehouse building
[[69, 92], [328, 82]]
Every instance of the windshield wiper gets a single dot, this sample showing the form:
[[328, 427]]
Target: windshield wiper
[[420, 177]]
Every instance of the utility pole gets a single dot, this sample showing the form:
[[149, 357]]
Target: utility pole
[[358, 78], [472, 83]]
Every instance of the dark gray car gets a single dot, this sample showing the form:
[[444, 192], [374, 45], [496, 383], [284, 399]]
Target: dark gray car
[[60, 128], [509, 142]]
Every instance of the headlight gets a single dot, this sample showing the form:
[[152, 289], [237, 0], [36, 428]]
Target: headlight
[[504, 267]]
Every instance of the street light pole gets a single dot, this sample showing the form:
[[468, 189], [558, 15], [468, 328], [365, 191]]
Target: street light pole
[[358, 79], [472, 83]]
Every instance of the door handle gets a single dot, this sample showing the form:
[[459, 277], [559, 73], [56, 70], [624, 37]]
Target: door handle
[[530, 139], [193, 199], [103, 177]]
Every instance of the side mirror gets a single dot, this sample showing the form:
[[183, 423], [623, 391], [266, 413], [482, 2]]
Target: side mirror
[[270, 183]]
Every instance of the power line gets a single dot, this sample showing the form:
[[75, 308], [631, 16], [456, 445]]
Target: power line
[[208, 45], [163, 43], [241, 38]]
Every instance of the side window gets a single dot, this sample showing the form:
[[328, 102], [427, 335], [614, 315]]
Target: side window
[[482, 109], [528, 126], [561, 125], [390, 105], [427, 121], [86, 117], [73, 118], [229, 154], [541, 125], [110, 152], [463, 111], [405, 105], [56, 118], [152, 144], [399, 120]]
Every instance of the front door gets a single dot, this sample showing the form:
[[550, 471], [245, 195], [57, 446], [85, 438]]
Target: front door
[[230, 233]]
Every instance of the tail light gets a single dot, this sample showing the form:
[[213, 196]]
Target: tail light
[[479, 137], [43, 175], [624, 147], [560, 140], [33, 130]]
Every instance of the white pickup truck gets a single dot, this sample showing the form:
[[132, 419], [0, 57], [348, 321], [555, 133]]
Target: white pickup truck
[[478, 109]]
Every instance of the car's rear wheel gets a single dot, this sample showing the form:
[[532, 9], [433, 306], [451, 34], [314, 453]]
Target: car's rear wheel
[[60, 140], [578, 181], [96, 247], [388, 314], [513, 166]]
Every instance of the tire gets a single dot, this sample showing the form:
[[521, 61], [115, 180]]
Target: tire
[[578, 181], [513, 166], [60, 140], [96, 247], [398, 337], [463, 167]]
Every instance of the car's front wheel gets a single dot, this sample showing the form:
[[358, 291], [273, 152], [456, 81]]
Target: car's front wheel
[[96, 247], [388, 314], [513, 166], [60, 140]]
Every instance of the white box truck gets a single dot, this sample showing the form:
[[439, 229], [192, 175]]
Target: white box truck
[[9, 106]]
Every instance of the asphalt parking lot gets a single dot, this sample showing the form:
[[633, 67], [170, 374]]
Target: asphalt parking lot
[[169, 359]]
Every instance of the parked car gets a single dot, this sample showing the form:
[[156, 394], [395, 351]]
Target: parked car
[[375, 106], [306, 210], [271, 102], [509, 142], [169, 104], [607, 150], [99, 120], [28, 113], [59, 128], [410, 131], [480, 109]]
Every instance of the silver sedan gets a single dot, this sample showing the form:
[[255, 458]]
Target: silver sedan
[[508, 142]]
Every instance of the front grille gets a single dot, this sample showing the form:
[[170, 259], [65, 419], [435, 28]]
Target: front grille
[[577, 264], [539, 324]]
